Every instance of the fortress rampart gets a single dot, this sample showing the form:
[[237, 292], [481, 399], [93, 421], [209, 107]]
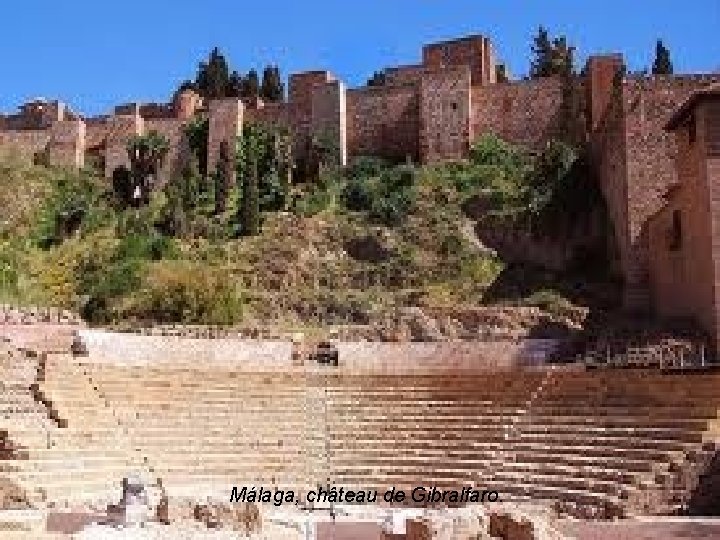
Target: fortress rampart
[[427, 112]]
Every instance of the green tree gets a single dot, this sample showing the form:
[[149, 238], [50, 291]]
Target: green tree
[[196, 133], [250, 218], [324, 152], [235, 85], [250, 152], [272, 88], [662, 65], [251, 85], [223, 178], [146, 154], [213, 76], [551, 56], [379, 78]]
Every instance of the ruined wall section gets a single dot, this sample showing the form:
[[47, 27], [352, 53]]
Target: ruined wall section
[[528, 113], [384, 121], [404, 75], [445, 109]]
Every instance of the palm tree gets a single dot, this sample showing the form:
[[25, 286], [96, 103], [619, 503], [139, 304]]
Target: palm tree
[[146, 153]]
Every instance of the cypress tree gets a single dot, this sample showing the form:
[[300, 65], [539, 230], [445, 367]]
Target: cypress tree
[[272, 88], [213, 76], [541, 63], [663, 64], [251, 85], [223, 178], [378, 79], [551, 56], [251, 198], [235, 85]]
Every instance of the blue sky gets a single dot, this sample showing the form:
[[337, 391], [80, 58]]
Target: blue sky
[[93, 54]]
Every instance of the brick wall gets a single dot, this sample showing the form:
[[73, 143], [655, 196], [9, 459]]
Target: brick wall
[[269, 113], [404, 75], [526, 112], [300, 96], [609, 157], [383, 122], [445, 108]]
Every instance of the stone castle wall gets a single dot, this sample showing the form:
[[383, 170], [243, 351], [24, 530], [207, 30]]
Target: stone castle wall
[[384, 122], [428, 112], [683, 259], [445, 110], [525, 112], [634, 160]]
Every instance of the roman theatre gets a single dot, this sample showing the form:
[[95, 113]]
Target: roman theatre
[[145, 435]]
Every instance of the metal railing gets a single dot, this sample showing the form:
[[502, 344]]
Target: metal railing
[[670, 356]]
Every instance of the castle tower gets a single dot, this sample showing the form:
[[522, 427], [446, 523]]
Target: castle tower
[[67, 143], [602, 71], [474, 51], [226, 121], [185, 104], [445, 108], [329, 116], [125, 123]]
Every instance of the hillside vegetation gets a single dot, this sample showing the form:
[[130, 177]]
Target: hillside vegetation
[[353, 245]]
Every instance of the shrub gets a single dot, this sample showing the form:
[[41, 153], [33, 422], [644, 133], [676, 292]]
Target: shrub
[[550, 301], [186, 292], [366, 167], [490, 150], [387, 198], [313, 202], [74, 206]]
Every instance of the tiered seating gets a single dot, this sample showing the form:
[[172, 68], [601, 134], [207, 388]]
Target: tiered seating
[[204, 431], [595, 442], [82, 458]]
